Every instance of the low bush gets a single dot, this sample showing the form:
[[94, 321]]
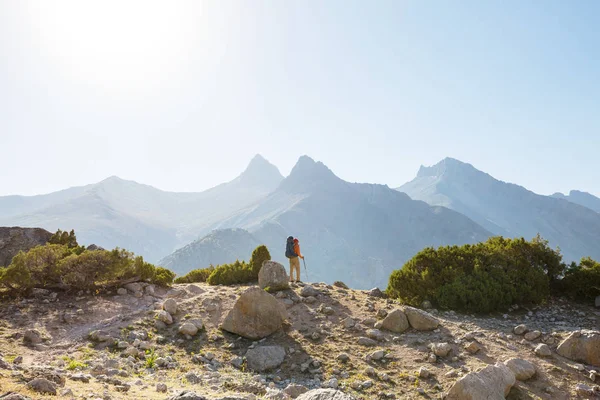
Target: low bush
[[70, 266], [196, 275], [483, 277], [231, 274], [582, 281]]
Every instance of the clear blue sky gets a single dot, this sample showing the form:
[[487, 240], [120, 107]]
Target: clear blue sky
[[181, 96]]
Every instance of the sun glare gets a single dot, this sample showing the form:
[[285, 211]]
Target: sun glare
[[116, 46]]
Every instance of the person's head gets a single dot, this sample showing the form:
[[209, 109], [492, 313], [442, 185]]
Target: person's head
[[296, 240]]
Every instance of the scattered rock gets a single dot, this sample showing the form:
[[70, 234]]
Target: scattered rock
[[308, 290], [473, 347], [134, 287], [543, 350], [161, 388], [348, 322], [584, 390], [121, 291], [375, 334], [396, 321], [343, 357], [376, 292], [441, 349], [520, 329], [325, 394], [237, 362], [522, 369], [194, 289], [187, 328], [170, 306], [255, 315], [363, 341], [294, 390], [583, 346], [421, 320], [99, 336], [32, 336], [165, 317], [272, 275], [42, 385], [264, 358], [424, 373], [18, 360], [531, 336], [492, 382], [377, 355], [186, 395]]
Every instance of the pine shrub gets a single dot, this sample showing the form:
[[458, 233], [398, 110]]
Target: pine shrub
[[259, 255], [231, 274], [582, 281], [483, 277], [196, 275]]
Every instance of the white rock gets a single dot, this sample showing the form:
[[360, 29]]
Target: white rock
[[522, 369], [170, 306]]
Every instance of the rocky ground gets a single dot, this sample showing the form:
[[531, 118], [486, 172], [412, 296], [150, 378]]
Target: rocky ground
[[142, 342]]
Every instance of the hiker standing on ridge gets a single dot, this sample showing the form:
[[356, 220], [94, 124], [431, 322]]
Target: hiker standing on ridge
[[292, 251]]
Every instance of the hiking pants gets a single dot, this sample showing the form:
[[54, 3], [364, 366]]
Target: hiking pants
[[295, 266]]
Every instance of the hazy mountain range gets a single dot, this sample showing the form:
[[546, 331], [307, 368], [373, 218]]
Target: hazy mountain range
[[350, 231], [507, 209]]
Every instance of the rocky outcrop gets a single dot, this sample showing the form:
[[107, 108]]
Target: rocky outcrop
[[15, 239], [265, 358], [491, 383], [255, 315], [583, 346], [272, 276]]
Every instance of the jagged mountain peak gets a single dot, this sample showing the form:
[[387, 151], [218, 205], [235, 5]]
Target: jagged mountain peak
[[308, 173], [261, 171], [447, 165]]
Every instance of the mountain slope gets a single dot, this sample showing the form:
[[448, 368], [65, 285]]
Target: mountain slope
[[508, 209], [146, 220], [358, 233], [582, 198], [218, 247]]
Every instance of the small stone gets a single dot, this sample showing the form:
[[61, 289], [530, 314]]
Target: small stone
[[522, 369], [441, 349], [170, 306], [18, 360], [473, 347], [187, 328], [121, 291], [520, 329], [424, 373], [432, 358], [161, 388], [377, 355], [343, 357], [584, 390], [32, 336], [531, 336], [543, 350], [42, 385], [375, 334], [363, 341], [348, 322], [382, 313], [165, 317]]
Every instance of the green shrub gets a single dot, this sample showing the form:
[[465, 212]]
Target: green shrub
[[64, 267], [259, 255], [196, 275], [484, 277], [582, 282], [163, 276], [231, 274]]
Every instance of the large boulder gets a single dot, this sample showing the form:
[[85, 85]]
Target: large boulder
[[421, 320], [15, 239], [522, 369], [265, 358], [272, 276], [325, 394], [491, 383], [256, 314], [395, 321], [170, 306], [582, 346]]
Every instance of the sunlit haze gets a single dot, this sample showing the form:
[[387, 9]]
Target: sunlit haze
[[181, 95]]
